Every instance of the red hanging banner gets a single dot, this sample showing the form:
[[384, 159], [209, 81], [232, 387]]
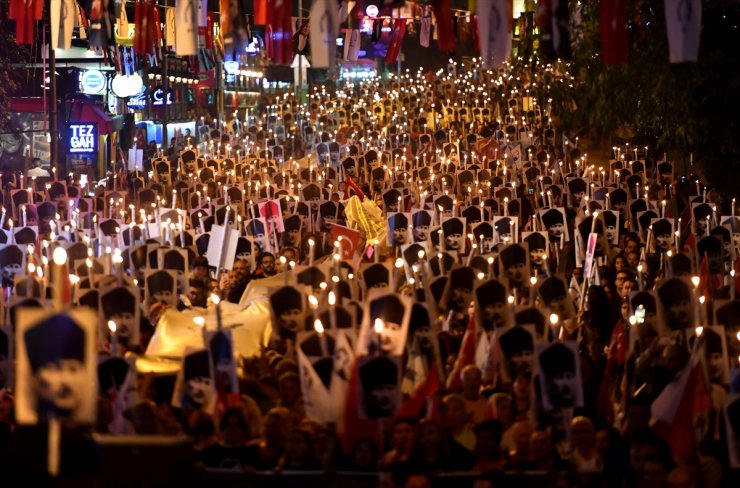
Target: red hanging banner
[[443, 16], [25, 14], [474, 29], [279, 19], [613, 29], [399, 31]]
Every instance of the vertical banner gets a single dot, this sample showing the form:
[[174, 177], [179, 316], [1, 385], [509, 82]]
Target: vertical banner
[[260, 12], [553, 20], [399, 31], [100, 34], [203, 13], [186, 28], [683, 23], [225, 20], [426, 29], [613, 29], [281, 38], [55, 16], [66, 24], [352, 44], [169, 26], [443, 16], [475, 31], [324, 25], [494, 22]]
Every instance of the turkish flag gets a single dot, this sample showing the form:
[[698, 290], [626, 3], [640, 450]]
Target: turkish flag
[[399, 30], [465, 356], [474, 28], [260, 12], [279, 18], [613, 19], [349, 239], [443, 16], [353, 427]]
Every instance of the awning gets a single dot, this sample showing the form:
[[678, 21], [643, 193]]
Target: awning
[[28, 104], [86, 111]]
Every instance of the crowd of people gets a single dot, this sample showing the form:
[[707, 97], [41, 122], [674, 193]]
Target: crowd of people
[[509, 305]]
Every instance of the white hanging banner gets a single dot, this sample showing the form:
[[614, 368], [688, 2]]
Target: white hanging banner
[[186, 28], [323, 27], [203, 13], [169, 26], [426, 31], [67, 23], [494, 28], [683, 23], [352, 44], [55, 15]]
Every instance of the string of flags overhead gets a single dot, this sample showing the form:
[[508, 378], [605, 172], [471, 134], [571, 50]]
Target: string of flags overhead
[[193, 31]]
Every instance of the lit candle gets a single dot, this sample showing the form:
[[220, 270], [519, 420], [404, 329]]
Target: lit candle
[[59, 257], [216, 300], [378, 326], [113, 340], [317, 325]]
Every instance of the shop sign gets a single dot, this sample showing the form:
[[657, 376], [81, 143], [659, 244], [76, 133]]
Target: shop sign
[[82, 138], [92, 82], [158, 97]]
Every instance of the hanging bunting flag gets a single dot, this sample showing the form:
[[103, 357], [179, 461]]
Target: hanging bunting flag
[[278, 17], [25, 13], [169, 26], [613, 29], [300, 39], [62, 15], [357, 12], [462, 28], [233, 27], [147, 31], [81, 22], [494, 24], [186, 28], [225, 21], [553, 20], [474, 30], [100, 34], [122, 25], [260, 12], [240, 25], [443, 18], [343, 12], [352, 44], [203, 13], [269, 50], [324, 25], [55, 18], [155, 32], [67, 25], [683, 23], [399, 31], [377, 30], [426, 28]]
